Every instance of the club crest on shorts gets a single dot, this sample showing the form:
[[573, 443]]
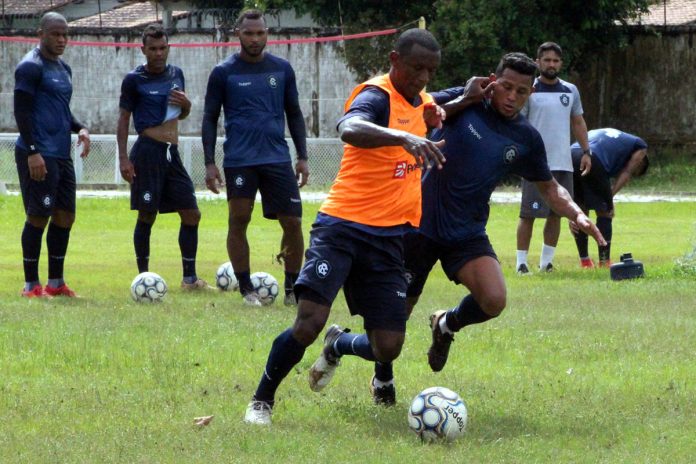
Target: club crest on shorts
[[272, 81], [322, 268], [147, 197], [239, 180], [46, 201], [510, 154], [565, 99], [535, 205]]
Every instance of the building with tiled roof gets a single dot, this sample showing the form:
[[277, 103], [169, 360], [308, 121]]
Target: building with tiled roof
[[129, 15], [669, 13]]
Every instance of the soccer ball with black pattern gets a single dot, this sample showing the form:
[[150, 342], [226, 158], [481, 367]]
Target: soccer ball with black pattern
[[225, 278], [437, 413], [265, 286], [148, 287]]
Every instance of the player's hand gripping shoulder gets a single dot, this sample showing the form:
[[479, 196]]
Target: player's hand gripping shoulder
[[426, 152], [433, 115], [213, 179], [476, 90]]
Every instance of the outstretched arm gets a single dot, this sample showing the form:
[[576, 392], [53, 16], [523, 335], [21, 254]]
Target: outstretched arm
[[560, 201], [364, 134], [631, 169]]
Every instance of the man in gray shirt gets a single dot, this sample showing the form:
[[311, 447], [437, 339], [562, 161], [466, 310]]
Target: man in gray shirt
[[554, 109]]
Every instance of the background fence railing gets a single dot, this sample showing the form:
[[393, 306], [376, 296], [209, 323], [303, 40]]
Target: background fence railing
[[100, 169]]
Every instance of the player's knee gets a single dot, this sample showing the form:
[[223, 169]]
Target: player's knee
[[290, 224], [494, 303], [387, 349], [39, 222], [310, 321], [190, 217]]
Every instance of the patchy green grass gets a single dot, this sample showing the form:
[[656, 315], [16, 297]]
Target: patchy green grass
[[577, 369]]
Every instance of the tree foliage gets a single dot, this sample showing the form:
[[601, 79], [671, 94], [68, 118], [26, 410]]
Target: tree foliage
[[474, 34]]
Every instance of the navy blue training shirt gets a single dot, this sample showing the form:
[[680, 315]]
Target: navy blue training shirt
[[481, 148], [255, 98], [49, 82], [146, 96], [613, 148]]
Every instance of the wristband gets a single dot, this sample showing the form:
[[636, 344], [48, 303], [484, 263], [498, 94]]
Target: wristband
[[587, 152]]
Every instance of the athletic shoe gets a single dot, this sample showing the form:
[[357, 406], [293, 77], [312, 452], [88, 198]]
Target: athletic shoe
[[290, 299], [252, 299], [605, 263], [587, 263], [523, 269], [439, 349], [199, 284], [36, 292], [383, 396], [61, 290], [258, 413], [547, 268], [323, 369]]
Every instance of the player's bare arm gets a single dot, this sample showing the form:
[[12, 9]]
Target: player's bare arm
[[562, 203], [633, 167], [579, 129], [125, 166], [364, 134], [84, 141]]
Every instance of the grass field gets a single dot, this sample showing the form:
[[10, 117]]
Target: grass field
[[577, 369]]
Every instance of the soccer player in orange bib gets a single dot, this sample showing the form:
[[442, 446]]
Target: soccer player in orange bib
[[356, 241]]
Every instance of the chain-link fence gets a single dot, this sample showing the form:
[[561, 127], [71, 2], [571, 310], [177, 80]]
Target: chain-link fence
[[100, 169]]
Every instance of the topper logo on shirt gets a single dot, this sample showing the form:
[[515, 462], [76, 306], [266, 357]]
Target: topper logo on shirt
[[273, 82], [565, 100], [510, 153], [403, 122], [402, 169]]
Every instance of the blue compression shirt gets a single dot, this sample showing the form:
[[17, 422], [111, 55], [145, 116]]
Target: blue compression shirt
[[49, 82], [146, 96], [481, 148], [255, 98]]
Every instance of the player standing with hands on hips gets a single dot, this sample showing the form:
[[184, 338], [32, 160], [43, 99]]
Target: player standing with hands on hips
[[154, 93], [256, 91], [42, 93]]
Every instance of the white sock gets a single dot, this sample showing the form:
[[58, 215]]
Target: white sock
[[521, 258], [547, 253], [379, 384], [443, 325]]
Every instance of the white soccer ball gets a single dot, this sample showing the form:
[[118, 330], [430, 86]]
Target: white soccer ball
[[149, 287], [437, 413], [225, 278], [266, 286]]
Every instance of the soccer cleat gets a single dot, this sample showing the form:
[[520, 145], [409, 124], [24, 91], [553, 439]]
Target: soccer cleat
[[523, 269], [258, 413], [587, 263], [323, 369], [61, 290], [605, 263], [383, 396], [547, 268], [439, 349], [290, 299], [199, 284], [36, 292], [252, 299]]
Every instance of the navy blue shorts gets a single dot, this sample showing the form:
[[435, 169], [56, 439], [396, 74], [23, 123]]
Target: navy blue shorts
[[421, 253], [592, 191], [161, 182], [57, 191], [280, 194], [368, 267]]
